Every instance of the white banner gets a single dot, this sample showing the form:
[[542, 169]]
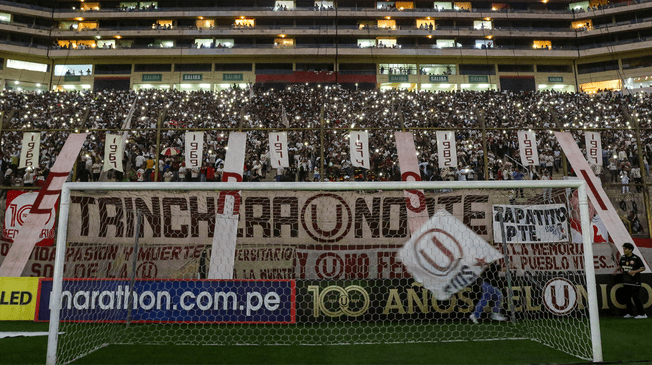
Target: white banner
[[446, 149], [593, 148], [597, 196], [415, 200], [278, 150], [113, 152], [41, 211], [531, 224], [284, 117], [194, 149], [29, 154], [359, 146], [300, 217], [527, 143], [223, 248], [228, 210], [564, 256], [446, 255]]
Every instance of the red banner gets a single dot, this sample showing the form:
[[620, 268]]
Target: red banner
[[19, 203]]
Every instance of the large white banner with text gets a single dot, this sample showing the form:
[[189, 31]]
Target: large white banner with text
[[531, 223]]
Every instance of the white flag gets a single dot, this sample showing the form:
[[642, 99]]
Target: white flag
[[359, 145], [113, 153], [593, 148], [278, 150], [446, 149], [446, 255], [29, 154], [527, 143], [194, 149], [284, 117]]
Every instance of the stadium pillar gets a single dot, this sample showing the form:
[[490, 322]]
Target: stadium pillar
[[633, 119]]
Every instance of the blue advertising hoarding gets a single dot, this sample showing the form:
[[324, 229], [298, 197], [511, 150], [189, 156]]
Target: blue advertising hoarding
[[172, 301]]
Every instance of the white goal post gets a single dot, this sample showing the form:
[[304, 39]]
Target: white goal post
[[154, 263]]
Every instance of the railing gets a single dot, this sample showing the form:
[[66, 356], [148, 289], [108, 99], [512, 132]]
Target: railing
[[314, 9], [343, 46]]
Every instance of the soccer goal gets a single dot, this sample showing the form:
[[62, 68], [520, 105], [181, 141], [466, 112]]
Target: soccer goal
[[322, 263]]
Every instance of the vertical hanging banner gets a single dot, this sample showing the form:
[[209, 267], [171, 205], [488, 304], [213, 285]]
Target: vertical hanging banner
[[284, 117], [194, 149], [593, 148], [527, 143], [415, 200], [278, 150], [29, 154], [446, 149], [113, 152], [41, 211], [228, 210], [603, 207], [359, 145]]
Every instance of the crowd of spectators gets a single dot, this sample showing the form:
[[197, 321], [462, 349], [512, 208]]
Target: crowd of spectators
[[136, 114]]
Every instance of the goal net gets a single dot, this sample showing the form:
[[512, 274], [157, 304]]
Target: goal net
[[322, 263]]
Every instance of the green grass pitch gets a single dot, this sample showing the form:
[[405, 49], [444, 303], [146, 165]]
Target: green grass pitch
[[623, 341]]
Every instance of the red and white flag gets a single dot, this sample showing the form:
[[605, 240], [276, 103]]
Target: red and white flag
[[593, 148], [113, 152], [359, 145], [228, 211], [278, 150], [527, 143], [446, 255], [29, 154], [41, 211], [194, 149], [598, 197], [446, 149], [19, 203], [415, 200]]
